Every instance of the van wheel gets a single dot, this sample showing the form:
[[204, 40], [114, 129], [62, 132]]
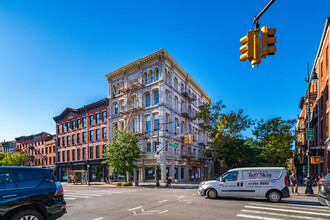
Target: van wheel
[[274, 196], [28, 215], [211, 194]]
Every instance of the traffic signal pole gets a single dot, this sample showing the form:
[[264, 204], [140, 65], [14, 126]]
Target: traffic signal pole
[[256, 18]]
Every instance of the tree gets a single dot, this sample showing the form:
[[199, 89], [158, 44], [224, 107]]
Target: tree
[[274, 138], [16, 159], [227, 146], [122, 151]]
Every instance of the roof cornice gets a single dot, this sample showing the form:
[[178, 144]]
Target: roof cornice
[[160, 54]]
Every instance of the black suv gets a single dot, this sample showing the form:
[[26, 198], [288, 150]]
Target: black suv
[[324, 191], [30, 193]]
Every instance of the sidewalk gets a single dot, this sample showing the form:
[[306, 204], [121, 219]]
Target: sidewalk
[[181, 185], [301, 192]]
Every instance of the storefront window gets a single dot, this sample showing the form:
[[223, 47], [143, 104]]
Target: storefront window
[[149, 173], [64, 173], [176, 174], [96, 173]]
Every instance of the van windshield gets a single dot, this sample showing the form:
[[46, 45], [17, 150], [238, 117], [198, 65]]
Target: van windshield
[[229, 176]]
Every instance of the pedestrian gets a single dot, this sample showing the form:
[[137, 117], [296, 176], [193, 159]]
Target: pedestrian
[[192, 178], [169, 180], [294, 182]]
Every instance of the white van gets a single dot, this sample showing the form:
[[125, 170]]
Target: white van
[[269, 182]]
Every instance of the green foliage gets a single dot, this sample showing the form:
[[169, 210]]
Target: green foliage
[[228, 145], [124, 184], [274, 138], [16, 159], [122, 151]]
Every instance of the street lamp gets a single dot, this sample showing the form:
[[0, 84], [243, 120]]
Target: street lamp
[[309, 188], [158, 151]]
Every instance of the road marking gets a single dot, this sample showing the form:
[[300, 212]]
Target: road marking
[[70, 198], [180, 196], [163, 212], [135, 208], [257, 217], [165, 200], [83, 194], [291, 204], [293, 207], [77, 196], [287, 210], [98, 218], [280, 214]]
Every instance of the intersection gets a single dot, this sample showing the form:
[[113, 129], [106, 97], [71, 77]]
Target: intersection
[[90, 203]]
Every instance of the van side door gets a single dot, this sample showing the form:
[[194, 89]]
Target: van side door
[[229, 185], [249, 183], [9, 194]]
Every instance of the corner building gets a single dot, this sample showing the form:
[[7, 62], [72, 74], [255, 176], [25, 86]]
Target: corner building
[[319, 114], [157, 99], [81, 137]]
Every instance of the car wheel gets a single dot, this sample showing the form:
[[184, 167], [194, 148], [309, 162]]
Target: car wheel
[[28, 215], [211, 194], [274, 196]]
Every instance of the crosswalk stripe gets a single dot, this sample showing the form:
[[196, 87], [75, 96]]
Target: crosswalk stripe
[[280, 214], [83, 194], [65, 196], [287, 210], [257, 217], [70, 198], [294, 207]]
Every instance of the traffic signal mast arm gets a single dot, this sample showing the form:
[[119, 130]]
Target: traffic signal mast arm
[[171, 140], [256, 18]]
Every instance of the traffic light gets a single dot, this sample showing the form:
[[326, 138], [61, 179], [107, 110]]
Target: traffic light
[[316, 159], [247, 48], [268, 41], [256, 50], [191, 138], [186, 139]]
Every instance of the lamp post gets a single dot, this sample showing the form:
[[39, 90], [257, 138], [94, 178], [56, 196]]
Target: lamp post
[[309, 188]]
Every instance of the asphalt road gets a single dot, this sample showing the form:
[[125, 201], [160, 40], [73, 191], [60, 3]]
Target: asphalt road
[[166, 203]]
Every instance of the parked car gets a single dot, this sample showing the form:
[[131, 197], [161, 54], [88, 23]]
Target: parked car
[[324, 191], [269, 182], [30, 193]]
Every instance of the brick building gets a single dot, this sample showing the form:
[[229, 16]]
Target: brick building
[[50, 152], [81, 136], [34, 146], [319, 113]]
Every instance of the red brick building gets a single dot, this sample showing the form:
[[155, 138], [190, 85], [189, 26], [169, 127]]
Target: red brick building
[[34, 146], [319, 113], [81, 136], [50, 152]]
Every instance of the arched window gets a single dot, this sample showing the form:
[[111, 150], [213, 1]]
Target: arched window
[[157, 74], [146, 78], [175, 83], [151, 76], [114, 92], [165, 78], [116, 108], [122, 85], [118, 87], [169, 78]]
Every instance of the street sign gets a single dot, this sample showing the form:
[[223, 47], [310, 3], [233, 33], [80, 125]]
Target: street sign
[[310, 134], [173, 145]]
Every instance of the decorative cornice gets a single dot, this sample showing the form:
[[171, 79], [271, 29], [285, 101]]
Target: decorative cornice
[[161, 54], [82, 110]]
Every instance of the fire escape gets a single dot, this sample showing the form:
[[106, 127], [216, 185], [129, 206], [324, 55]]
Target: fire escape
[[133, 103]]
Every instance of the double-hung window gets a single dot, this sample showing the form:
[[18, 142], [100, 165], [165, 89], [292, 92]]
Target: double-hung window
[[148, 123], [147, 99], [156, 97]]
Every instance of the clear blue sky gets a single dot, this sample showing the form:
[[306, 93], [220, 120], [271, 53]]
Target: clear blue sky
[[54, 54]]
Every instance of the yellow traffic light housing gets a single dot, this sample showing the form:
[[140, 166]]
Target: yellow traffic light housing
[[186, 139], [256, 50], [268, 41], [191, 139], [247, 48]]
